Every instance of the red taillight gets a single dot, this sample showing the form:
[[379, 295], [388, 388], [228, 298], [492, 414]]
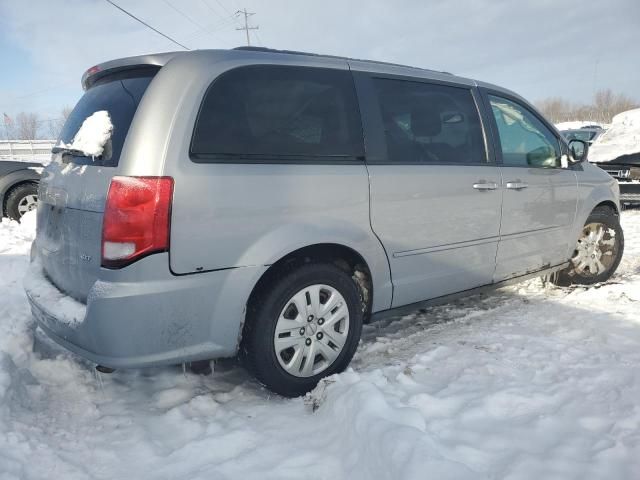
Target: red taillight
[[92, 70], [136, 219]]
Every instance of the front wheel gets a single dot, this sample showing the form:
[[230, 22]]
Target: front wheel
[[597, 253], [301, 328]]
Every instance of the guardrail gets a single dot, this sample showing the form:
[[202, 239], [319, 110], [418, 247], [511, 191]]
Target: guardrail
[[26, 150]]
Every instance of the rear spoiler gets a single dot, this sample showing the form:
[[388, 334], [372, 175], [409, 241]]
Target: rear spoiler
[[154, 61]]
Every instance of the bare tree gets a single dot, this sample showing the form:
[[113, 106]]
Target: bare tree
[[26, 126], [606, 104], [624, 103], [54, 126], [556, 109], [603, 105], [9, 127]]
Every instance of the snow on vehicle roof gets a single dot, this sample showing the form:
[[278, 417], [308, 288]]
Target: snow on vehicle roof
[[623, 138]]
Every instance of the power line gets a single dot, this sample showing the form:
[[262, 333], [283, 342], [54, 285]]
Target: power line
[[246, 27], [211, 30], [260, 39], [21, 98], [223, 7], [183, 14], [214, 11], [147, 25], [45, 120], [14, 119], [236, 4], [201, 29], [221, 24]]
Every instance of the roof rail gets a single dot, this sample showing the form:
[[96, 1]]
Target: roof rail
[[295, 52]]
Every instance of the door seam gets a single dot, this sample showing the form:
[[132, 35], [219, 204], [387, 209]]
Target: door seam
[[384, 249], [495, 260]]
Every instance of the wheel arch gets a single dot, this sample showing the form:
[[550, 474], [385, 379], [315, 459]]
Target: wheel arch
[[609, 204], [346, 258], [596, 196]]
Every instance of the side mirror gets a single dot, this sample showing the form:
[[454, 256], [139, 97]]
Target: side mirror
[[579, 150]]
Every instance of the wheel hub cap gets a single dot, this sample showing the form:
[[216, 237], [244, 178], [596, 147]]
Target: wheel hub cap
[[311, 330], [27, 204], [596, 250]]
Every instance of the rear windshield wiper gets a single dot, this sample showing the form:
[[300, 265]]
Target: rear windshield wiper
[[69, 151]]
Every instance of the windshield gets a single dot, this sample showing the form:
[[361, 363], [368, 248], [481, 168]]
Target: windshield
[[117, 94]]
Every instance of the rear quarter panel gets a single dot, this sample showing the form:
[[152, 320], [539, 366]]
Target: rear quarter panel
[[231, 215]]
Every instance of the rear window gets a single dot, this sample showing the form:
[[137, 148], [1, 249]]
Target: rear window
[[268, 112], [119, 94]]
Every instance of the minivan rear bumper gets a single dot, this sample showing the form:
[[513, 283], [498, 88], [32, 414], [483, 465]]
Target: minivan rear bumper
[[144, 316]]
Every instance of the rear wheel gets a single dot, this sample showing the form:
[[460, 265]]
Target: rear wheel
[[301, 328], [22, 199], [597, 253]]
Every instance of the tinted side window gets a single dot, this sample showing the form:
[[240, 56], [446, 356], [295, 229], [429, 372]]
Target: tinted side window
[[118, 94], [525, 140], [279, 112], [427, 123]]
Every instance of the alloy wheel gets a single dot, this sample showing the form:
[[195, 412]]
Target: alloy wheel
[[27, 204]]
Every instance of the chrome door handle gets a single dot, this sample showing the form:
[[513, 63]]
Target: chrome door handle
[[483, 185], [517, 185]]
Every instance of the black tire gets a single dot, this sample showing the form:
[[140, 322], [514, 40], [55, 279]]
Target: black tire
[[570, 275], [16, 195], [257, 351]]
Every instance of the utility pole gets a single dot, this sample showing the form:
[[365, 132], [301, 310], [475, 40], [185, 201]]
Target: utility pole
[[246, 27]]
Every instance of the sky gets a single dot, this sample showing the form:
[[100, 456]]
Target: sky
[[540, 49]]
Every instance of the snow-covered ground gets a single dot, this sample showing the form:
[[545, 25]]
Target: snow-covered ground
[[526, 383], [623, 138]]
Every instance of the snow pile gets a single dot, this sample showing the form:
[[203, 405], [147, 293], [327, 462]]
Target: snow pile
[[17, 235], [623, 138], [526, 383], [93, 135], [578, 124], [48, 297]]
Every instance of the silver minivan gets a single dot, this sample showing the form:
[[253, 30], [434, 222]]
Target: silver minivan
[[268, 203]]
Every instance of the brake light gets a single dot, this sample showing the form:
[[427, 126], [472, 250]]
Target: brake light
[[92, 70], [137, 219]]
